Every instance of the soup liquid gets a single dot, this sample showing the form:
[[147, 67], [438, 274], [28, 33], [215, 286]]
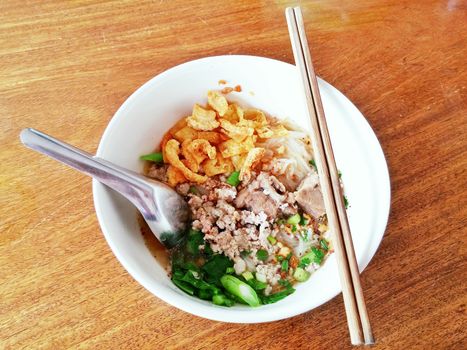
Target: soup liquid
[[155, 247]]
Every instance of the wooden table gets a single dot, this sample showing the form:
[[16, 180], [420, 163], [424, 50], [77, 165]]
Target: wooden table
[[65, 68]]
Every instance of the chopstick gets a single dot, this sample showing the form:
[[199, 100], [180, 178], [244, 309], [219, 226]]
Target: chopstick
[[355, 308]]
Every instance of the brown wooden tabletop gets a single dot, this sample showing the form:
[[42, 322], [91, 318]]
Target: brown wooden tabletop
[[65, 68]]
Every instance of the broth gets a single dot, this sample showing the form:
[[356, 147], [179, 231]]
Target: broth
[[155, 247]]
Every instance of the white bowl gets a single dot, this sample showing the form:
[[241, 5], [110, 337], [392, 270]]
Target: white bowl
[[273, 86]]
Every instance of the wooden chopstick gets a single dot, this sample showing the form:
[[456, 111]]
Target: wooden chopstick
[[357, 315]]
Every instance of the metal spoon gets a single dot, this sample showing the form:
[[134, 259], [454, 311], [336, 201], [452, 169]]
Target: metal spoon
[[165, 211]]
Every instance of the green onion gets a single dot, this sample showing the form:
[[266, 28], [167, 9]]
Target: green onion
[[272, 240], [230, 270], [262, 255], [241, 290], [313, 164], [303, 221], [339, 173], [233, 179], [245, 253], [294, 219], [193, 190], [323, 244], [285, 265], [346, 202], [301, 275], [313, 256], [153, 157], [247, 275], [294, 228]]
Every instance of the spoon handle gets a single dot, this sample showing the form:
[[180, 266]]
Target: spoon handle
[[126, 182]]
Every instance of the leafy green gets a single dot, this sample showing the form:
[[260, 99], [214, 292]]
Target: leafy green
[[234, 179], [273, 298], [194, 240], [205, 294], [153, 157], [216, 266], [186, 287], [197, 282], [262, 255]]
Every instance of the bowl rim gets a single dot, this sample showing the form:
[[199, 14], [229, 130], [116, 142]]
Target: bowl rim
[[181, 301]]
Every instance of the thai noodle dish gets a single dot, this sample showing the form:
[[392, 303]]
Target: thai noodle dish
[[258, 220]]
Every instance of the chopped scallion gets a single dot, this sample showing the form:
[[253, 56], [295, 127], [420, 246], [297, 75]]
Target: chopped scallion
[[234, 179], [313, 164], [153, 157], [262, 255], [294, 219]]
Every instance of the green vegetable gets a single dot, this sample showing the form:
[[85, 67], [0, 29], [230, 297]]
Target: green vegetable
[[153, 157], [208, 250], [285, 283], [313, 164], [186, 287], [262, 255], [323, 244], [230, 270], [241, 290], [247, 275], [272, 240], [294, 228], [205, 294], [279, 258], [245, 253], [233, 179], [193, 190], [215, 267], [222, 300], [313, 256], [194, 240], [294, 219], [346, 202], [273, 298], [339, 173], [257, 285], [196, 281], [303, 221], [301, 275], [285, 265]]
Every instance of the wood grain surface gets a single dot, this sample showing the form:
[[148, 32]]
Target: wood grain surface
[[65, 68]]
